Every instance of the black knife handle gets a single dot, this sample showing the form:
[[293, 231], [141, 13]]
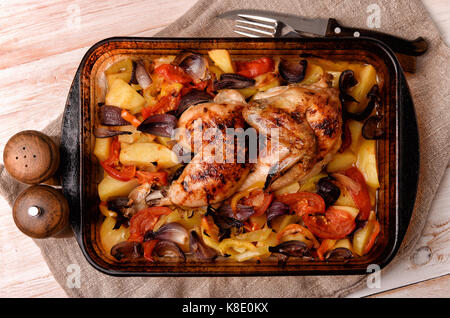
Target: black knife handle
[[416, 47]]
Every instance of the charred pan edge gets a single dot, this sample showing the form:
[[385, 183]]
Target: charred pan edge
[[405, 137]]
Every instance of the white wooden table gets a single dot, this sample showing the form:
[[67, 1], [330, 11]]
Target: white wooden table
[[41, 44]]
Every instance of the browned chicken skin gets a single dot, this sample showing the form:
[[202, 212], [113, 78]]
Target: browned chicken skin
[[215, 173], [310, 122]]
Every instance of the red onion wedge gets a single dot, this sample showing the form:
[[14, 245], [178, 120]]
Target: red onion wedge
[[111, 116], [101, 132], [173, 232], [231, 80], [127, 250], [142, 77], [168, 249], [159, 125], [292, 72], [194, 97], [199, 249]]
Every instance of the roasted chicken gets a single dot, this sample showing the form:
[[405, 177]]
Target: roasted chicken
[[215, 172], [309, 123]]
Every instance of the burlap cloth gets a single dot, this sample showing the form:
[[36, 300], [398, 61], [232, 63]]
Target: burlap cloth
[[431, 94]]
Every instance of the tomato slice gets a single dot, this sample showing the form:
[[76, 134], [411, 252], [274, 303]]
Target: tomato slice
[[361, 197], [148, 249], [144, 221], [159, 178], [373, 236], [164, 105], [173, 73], [113, 153], [259, 200], [333, 224], [211, 229], [122, 173], [303, 202], [325, 246], [126, 173], [256, 67]]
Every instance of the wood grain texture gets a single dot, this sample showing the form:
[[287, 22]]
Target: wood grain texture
[[41, 45]]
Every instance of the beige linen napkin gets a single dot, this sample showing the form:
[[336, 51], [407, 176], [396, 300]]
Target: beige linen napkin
[[430, 92]]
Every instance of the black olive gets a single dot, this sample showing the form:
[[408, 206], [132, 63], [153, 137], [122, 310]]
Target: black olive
[[339, 254], [292, 72], [347, 80], [374, 99], [127, 250], [370, 129], [231, 80], [328, 191], [291, 248]]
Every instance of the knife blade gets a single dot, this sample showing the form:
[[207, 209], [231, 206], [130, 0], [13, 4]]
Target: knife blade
[[330, 27]]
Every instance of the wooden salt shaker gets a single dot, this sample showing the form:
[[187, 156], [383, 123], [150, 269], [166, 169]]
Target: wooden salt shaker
[[39, 211]]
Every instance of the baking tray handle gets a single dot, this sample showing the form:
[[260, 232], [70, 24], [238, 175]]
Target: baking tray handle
[[70, 155], [409, 159]]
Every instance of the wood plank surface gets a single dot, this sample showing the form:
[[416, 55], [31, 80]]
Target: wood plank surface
[[41, 44]]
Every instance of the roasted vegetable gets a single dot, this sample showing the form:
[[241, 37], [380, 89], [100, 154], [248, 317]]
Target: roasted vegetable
[[222, 59], [110, 187], [124, 96], [145, 154]]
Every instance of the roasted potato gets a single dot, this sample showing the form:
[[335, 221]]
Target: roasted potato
[[110, 187], [124, 96], [146, 153], [102, 148], [222, 59], [341, 161], [367, 162], [122, 69], [110, 237], [313, 74]]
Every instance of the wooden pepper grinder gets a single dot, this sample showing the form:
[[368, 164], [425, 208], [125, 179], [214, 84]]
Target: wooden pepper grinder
[[40, 211]]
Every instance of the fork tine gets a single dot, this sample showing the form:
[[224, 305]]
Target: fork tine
[[255, 30], [257, 18], [250, 35], [262, 25]]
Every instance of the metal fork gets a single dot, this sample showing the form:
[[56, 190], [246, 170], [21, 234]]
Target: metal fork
[[255, 26], [262, 26]]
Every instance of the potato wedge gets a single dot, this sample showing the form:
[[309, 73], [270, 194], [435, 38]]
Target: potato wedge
[[110, 237], [310, 185], [146, 153], [366, 77], [282, 221], [367, 162], [345, 198], [292, 188], [102, 148], [124, 96], [110, 187], [344, 243], [355, 132], [122, 69], [362, 236], [341, 161], [222, 59], [352, 211], [313, 74]]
